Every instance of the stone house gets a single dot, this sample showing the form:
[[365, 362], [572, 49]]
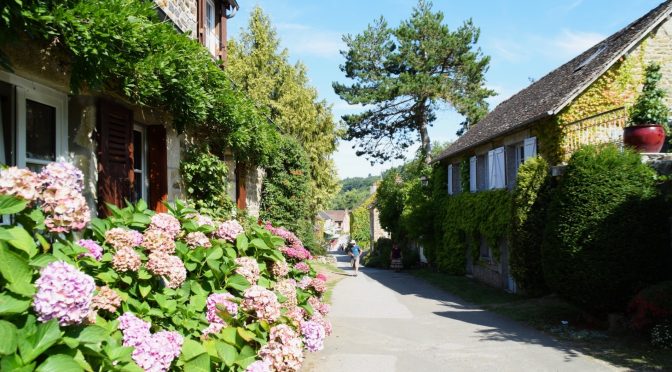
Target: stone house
[[584, 101], [126, 152]]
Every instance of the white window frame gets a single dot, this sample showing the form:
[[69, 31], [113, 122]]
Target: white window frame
[[211, 37], [450, 179], [530, 149], [143, 174], [472, 174], [496, 169], [46, 96]]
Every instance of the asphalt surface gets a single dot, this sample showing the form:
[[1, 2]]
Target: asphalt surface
[[386, 321]]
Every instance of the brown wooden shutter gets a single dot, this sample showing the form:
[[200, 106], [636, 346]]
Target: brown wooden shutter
[[222, 30], [115, 155], [157, 164], [241, 190], [200, 21]]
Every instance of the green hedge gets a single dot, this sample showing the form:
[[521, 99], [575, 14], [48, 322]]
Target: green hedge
[[461, 219], [608, 230], [360, 223], [528, 219]]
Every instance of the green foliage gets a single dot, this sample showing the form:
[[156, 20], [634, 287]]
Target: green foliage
[[353, 192], [121, 46], [360, 223], [390, 198], [650, 107], [464, 175], [456, 231], [205, 178], [285, 192], [380, 257], [405, 74], [529, 206], [607, 234], [262, 70]]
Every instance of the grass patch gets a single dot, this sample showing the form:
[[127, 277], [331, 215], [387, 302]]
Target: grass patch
[[549, 314], [334, 275]]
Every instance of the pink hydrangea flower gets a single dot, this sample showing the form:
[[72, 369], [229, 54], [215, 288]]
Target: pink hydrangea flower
[[262, 302], [223, 299], [279, 269], [259, 366], [62, 175], [126, 259], [302, 267], [152, 352], [287, 288], [318, 285], [155, 240], [284, 350], [212, 329], [321, 276], [95, 250], [248, 268], [21, 183], [229, 230], [171, 268], [166, 223], [65, 209], [318, 305], [203, 220], [304, 283], [296, 315], [63, 293], [119, 238], [319, 318], [294, 249], [106, 299], [313, 335], [197, 239], [296, 253]]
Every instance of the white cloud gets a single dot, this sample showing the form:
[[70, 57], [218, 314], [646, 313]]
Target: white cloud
[[572, 43], [318, 43], [508, 50]]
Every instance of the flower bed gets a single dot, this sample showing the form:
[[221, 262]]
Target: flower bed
[[147, 291]]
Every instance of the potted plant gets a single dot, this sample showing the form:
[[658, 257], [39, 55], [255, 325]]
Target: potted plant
[[648, 116]]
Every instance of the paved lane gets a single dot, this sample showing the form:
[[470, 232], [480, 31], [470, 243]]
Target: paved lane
[[385, 321]]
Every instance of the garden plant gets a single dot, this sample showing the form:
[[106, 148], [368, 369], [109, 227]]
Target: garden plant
[[149, 291]]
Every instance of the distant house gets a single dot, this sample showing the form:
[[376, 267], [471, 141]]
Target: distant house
[[340, 219], [582, 102], [125, 151]]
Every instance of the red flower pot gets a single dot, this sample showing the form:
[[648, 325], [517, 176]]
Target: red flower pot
[[644, 138]]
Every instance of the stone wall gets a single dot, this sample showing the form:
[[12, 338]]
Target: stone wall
[[182, 13]]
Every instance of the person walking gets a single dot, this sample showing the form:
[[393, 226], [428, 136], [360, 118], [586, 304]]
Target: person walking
[[355, 252], [395, 258]]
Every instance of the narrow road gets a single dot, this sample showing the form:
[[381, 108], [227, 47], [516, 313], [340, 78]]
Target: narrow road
[[386, 321]]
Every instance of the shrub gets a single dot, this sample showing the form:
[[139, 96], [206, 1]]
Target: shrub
[[360, 223], [144, 290], [529, 206], [650, 306], [205, 178], [661, 335], [381, 254], [607, 234]]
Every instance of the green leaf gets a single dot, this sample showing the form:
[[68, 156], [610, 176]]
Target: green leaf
[[215, 254], [8, 341], [199, 364], [259, 244], [16, 271], [59, 363], [15, 364], [245, 334], [47, 335], [191, 349], [19, 238], [144, 289], [140, 219], [246, 356], [11, 204], [228, 334], [242, 242], [227, 353], [237, 282], [11, 305], [43, 260], [92, 334]]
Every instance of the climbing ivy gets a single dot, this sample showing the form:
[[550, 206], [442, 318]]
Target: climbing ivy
[[360, 222], [205, 179]]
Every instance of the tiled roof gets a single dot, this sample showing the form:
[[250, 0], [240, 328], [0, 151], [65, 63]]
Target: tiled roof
[[336, 215], [550, 94]]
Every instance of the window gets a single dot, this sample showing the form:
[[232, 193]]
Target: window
[[41, 127], [211, 34], [530, 149], [496, 169], [139, 164], [472, 174], [450, 179], [481, 172]]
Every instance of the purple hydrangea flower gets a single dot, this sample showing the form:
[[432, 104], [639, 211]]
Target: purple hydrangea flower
[[229, 230], [224, 299], [63, 293], [259, 366], [313, 335], [95, 250], [166, 223]]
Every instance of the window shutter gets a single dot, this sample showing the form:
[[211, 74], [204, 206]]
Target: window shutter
[[157, 164], [530, 149], [500, 179], [492, 169], [115, 155], [472, 174], [241, 190], [450, 179]]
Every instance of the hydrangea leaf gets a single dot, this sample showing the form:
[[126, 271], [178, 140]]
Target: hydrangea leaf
[[10, 305], [237, 282], [8, 341], [46, 335], [10, 204], [16, 271], [227, 353], [19, 238], [59, 363]]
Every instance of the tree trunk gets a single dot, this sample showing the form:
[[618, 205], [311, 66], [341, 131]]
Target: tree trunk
[[426, 145]]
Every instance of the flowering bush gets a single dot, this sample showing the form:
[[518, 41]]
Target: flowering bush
[[146, 291]]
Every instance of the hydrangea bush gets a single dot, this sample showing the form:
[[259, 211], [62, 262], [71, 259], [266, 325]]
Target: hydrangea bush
[[148, 291]]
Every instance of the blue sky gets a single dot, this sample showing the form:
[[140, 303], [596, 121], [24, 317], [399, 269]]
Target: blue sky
[[525, 40]]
